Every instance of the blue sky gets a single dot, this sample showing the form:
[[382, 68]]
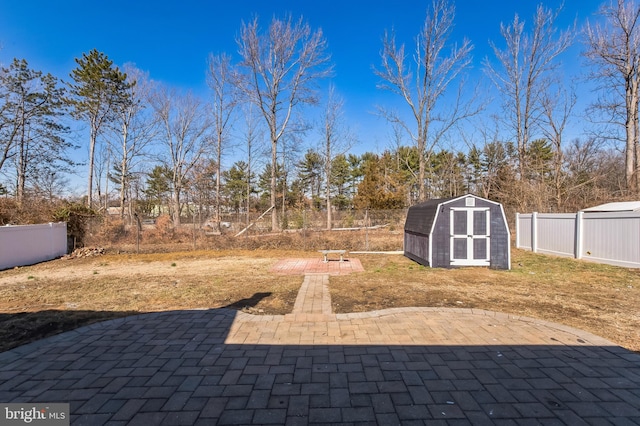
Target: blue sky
[[172, 39]]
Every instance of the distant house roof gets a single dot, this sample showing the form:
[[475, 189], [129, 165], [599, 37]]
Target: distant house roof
[[622, 206]]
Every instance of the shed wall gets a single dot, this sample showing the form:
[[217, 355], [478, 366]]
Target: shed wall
[[441, 238], [418, 242], [500, 239], [416, 247]]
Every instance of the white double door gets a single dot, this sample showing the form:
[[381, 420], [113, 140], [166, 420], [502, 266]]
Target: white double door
[[470, 236]]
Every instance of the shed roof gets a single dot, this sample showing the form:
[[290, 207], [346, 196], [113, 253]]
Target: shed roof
[[421, 216], [622, 206]]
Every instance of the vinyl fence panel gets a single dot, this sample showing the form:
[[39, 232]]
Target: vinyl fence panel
[[611, 238], [29, 244], [557, 234], [523, 231]]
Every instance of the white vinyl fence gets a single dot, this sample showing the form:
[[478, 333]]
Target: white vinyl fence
[[612, 238], [29, 244]]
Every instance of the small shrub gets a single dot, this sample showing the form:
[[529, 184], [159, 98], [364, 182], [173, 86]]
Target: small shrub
[[164, 226], [112, 231], [76, 215], [349, 220]]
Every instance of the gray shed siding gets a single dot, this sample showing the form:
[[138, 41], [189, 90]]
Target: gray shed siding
[[416, 247], [417, 229], [436, 228], [500, 239]]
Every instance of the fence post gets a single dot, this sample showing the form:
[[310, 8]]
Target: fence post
[[579, 234], [517, 230], [534, 232]]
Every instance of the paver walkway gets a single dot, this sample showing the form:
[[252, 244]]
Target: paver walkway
[[313, 297], [397, 366]]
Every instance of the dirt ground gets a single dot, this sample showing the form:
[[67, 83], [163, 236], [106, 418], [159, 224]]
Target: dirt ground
[[45, 299]]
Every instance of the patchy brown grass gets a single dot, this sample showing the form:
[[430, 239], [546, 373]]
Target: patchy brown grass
[[52, 297], [56, 296], [162, 239]]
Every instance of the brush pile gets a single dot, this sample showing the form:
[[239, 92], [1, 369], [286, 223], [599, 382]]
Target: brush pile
[[85, 252]]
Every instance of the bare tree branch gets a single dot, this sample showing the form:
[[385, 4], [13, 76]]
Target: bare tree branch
[[522, 69], [423, 82], [222, 78], [185, 125], [283, 64], [614, 48]]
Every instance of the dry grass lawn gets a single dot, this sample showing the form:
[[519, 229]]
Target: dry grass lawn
[[48, 298]]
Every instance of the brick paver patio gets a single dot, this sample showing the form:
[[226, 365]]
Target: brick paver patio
[[317, 266], [397, 366]]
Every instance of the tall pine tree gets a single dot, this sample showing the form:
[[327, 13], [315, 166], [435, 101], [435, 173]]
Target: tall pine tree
[[97, 90]]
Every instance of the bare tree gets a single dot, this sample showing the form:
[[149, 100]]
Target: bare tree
[[523, 69], [222, 78], [282, 66], [135, 128], [102, 163], [614, 48], [184, 124], [557, 107], [290, 146], [423, 83], [50, 184], [253, 137], [337, 140], [594, 174]]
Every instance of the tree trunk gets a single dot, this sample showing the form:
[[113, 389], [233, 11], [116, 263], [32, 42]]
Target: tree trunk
[[21, 168], [274, 163], [248, 180], [631, 137], [218, 171], [422, 186], [92, 150], [123, 183], [123, 169], [327, 171], [176, 208]]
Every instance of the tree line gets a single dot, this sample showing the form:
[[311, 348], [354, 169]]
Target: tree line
[[153, 149]]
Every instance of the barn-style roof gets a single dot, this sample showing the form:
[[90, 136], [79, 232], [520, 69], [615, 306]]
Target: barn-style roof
[[421, 216]]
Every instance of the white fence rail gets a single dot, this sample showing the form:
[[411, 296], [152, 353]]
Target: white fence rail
[[612, 238], [29, 244]]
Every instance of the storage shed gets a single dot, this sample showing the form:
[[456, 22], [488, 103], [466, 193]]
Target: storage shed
[[459, 231]]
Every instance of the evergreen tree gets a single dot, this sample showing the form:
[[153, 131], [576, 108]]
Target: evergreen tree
[[382, 187], [540, 159], [97, 90], [158, 187], [202, 179], [310, 175], [31, 104], [235, 184], [264, 184], [339, 182]]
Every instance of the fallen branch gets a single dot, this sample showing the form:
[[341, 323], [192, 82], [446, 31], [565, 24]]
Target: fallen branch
[[360, 228], [254, 222]]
